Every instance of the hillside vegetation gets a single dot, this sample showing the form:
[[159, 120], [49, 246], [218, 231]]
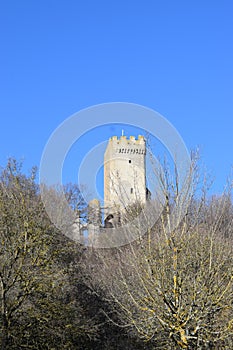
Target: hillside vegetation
[[172, 288]]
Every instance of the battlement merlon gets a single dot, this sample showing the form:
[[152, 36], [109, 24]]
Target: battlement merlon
[[131, 139]]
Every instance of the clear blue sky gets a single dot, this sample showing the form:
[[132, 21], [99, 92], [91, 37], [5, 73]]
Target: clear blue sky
[[175, 57]]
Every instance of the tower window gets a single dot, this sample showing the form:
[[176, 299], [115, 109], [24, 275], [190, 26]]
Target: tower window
[[131, 190], [130, 161]]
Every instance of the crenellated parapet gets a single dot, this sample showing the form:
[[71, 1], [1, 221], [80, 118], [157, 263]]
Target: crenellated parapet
[[130, 139]]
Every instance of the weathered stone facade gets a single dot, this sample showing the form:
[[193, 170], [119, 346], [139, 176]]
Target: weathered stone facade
[[124, 173]]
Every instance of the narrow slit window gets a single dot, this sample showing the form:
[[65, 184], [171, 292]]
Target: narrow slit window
[[131, 190], [130, 161]]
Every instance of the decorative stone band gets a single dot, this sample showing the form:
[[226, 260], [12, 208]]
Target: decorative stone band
[[131, 150]]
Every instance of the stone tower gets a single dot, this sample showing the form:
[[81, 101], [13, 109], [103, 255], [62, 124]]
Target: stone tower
[[124, 173]]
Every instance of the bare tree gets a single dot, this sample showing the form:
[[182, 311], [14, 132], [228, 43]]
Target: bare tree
[[39, 271], [173, 287]]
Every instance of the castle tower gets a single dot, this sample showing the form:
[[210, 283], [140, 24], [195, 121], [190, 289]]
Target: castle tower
[[124, 173]]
